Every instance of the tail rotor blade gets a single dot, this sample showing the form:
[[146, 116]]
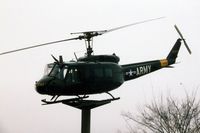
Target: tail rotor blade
[[187, 47], [178, 31]]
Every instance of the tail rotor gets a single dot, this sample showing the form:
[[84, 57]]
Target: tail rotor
[[187, 47]]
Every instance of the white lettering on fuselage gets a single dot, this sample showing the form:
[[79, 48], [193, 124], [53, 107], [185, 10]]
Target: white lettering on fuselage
[[139, 71], [143, 70]]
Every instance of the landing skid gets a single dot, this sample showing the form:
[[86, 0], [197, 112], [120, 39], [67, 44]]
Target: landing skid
[[80, 103], [45, 102]]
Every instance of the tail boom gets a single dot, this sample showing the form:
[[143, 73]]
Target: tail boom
[[132, 71]]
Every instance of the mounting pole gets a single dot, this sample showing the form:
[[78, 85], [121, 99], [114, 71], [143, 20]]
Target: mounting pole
[[85, 121], [85, 106]]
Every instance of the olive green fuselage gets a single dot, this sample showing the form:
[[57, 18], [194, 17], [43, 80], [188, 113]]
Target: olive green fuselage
[[97, 74], [81, 78]]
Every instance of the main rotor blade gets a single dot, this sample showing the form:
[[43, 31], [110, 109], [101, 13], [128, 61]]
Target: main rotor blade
[[140, 22], [34, 46], [187, 47], [100, 32]]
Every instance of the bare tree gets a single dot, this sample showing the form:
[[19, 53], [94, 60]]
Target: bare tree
[[167, 116]]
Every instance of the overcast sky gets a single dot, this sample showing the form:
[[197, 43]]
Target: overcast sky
[[28, 22]]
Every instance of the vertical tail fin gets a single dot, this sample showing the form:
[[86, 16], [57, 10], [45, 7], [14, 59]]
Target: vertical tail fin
[[174, 52]]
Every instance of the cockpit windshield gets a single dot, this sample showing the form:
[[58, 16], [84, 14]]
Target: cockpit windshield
[[48, 69], [55, 71]]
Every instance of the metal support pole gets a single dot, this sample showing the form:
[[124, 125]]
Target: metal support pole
[[85, 106], [85, 122]]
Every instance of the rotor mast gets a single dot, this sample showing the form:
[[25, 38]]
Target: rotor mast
[[89, 43], [88, 37]]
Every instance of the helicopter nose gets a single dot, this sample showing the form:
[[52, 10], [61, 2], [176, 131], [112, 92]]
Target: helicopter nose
[[42, 85]]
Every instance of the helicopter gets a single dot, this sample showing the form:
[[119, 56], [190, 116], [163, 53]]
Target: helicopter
[[94, 74]]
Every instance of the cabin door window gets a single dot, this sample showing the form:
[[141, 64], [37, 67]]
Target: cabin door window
[[72, 75]]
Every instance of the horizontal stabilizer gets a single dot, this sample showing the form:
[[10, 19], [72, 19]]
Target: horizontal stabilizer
[[169, 67]]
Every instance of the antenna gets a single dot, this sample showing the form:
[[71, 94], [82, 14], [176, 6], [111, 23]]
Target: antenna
[[75, 56]]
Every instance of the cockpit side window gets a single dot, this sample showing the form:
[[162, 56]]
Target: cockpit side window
[[54, 70], [58, 72]]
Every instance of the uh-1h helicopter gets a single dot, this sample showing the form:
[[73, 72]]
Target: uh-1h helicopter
[[93, 74]]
